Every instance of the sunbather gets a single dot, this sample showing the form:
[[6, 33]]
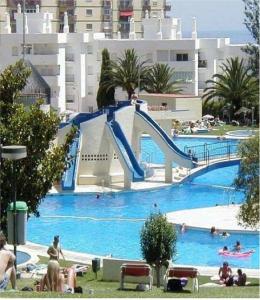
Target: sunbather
[[240, 279], [7, 270], [57, 280], [224, 272]]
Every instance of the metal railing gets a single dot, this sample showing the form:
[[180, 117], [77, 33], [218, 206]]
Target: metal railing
[[207, 152]]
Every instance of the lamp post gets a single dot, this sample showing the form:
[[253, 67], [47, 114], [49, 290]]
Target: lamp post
[[252, 116], [23, 30], [14, 153]]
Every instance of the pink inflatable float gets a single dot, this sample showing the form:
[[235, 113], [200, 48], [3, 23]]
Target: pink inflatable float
[[235, 254]]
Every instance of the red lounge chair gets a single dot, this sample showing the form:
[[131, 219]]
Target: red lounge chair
[[136, 270], [180, 272]]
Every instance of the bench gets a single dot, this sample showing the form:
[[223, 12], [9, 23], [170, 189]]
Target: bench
[[135, 270], [179, 272]]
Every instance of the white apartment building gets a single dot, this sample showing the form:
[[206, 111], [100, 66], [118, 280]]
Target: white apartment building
[[70, 62], [109, 16]]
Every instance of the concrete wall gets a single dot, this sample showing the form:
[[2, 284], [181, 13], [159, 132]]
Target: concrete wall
[[182, 108], [111, 271], [97, 159]]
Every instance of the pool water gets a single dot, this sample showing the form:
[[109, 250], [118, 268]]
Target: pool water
[[112, 223], [152, 153], [22, 257]]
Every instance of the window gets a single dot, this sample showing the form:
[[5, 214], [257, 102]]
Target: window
[[89, 49], [89, 27], [154, 3], [14, 51], [106, 11], [90, 90], [183, 76], [182, 57], [88, 12], [90, 70], [27, 48], [162, 55]]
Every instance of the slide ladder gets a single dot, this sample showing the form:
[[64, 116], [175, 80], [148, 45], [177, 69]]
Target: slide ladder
[[124, 152], [166, 144], [68, 178]]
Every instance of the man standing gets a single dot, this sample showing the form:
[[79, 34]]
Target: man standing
[[7, 270]]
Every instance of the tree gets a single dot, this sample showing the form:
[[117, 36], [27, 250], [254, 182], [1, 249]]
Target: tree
[[127, 72], [33, 128], [105, 97], [252, 23], [158, 242], [159, 80], [234, 86], [248, 180]]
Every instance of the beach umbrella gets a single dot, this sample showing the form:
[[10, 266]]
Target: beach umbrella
[[243, 110], [206, 117]]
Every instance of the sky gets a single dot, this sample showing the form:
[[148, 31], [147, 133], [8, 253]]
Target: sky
[[212, 15]]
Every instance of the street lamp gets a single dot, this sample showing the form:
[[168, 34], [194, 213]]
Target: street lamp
[[252, 116], [14, 153]]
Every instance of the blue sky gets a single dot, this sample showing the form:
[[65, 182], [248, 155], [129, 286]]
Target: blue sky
[[212, 15]]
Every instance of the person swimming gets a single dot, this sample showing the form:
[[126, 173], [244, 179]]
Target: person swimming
[[224, 234], [213, 230], [237, 246], [183, 227]]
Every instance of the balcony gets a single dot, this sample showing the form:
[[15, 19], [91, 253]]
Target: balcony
[[125, 27], [167, 6], [14, 3], [146, 5], [69, 57], [66, 3], [70, 78], [202, 63], [125, 6]]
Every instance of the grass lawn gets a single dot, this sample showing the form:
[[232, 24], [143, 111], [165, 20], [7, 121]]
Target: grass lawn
[[221, 130], [103, 289]]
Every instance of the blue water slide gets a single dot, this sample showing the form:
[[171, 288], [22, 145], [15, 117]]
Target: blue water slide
[[126, 152], [68, 178], [165, 136]]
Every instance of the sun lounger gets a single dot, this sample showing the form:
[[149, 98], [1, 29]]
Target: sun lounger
[[135, 270], [179, 272]]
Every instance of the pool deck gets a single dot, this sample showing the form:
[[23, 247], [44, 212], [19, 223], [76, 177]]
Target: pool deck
[[224, 218]]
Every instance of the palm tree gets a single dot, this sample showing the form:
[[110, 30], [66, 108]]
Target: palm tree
[[235, 86], [127, 72], [159, 80]]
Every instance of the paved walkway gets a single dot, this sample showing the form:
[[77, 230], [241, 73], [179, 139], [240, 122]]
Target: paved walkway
[[222, 217]]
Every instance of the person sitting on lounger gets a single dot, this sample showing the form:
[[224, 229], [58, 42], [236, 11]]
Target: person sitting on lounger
[[58, 281], [240, 279], [224, 272], [7, 270]]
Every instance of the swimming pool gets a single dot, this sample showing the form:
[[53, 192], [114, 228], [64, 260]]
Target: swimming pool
[[112, 223], [22, 257], [242, 133], [152, 153]]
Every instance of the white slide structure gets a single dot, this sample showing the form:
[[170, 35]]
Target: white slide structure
[[171, 151]]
